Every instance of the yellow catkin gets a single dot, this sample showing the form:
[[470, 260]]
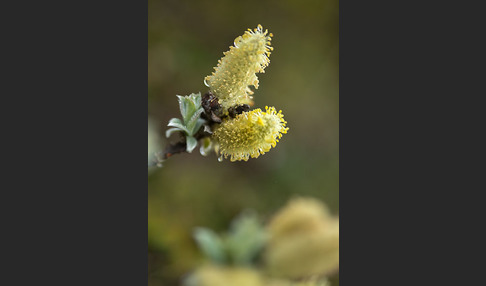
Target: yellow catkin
[[250, 134], [236, 71], [300, 215], [214, 275], [304, 240]]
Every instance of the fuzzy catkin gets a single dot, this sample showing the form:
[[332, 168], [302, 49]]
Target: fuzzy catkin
[[236, 71], [250, 134]]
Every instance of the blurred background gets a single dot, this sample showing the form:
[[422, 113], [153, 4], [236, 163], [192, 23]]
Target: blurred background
[[185, 41]]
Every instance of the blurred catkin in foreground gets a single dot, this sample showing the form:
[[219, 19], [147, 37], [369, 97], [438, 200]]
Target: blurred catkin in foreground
[[303, 240], [301, 249], [214, 275]]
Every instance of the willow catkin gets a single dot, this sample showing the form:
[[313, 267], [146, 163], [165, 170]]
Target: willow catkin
[[250, 134], [236, 71]]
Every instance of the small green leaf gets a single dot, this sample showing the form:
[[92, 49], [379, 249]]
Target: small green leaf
[[172, 130], [199, 124], [191, 123], [191, 143], [246, 238], [197, 99], [189, 105], [182, 104], [176, 122], [210, 244], [206, 146]]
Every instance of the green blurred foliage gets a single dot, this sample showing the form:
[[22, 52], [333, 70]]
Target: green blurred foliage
[[185, 41]]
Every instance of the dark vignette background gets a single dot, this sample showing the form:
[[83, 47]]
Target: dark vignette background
[[76, 210], [185, 41]]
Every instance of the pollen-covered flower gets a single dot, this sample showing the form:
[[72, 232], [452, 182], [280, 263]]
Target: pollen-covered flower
[[250, 134], [236, 71]]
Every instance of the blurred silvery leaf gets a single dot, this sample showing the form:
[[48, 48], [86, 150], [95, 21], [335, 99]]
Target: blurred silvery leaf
[[210, 244], [154, 145], [246, 238], [240, 245]]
